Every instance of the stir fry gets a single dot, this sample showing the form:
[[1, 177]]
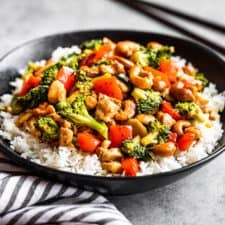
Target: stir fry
[[123, 101]]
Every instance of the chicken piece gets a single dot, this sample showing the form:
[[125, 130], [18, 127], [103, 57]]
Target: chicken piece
[[113, 167], [65, 137], [165, 119], [111, 154], [110, 157], [107, 108]]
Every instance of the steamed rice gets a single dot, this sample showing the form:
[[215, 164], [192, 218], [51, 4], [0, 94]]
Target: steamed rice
[[76, 161]]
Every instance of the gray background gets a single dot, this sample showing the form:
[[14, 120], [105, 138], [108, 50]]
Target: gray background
[[197, 199]]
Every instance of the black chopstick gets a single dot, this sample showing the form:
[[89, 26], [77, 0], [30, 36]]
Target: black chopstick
[[150, 12], [189, 17]]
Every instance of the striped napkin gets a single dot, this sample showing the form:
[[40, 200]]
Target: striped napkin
[[28, 199]]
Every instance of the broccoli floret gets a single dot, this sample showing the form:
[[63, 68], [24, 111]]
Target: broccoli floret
[[92, 44], [32, 99], [158, 134], [78, 114], [83, 82], [48, 127], [72, 60], [133, 147], [30, 69], [50, 74], [102, 62], [202, 78], [151, 57], [148, 101], [191, 111], [15, 106]]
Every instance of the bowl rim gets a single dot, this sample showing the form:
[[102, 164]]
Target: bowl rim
[[26, 163]]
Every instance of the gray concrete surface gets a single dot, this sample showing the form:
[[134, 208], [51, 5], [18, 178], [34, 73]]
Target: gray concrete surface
[[198, 199]]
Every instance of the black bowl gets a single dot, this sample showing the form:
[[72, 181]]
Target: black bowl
[[202, 57]]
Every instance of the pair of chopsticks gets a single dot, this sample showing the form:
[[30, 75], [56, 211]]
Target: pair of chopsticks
[[152, 10]]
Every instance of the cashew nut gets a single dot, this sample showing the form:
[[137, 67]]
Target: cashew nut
[[113, 167], [127, 112], [137, 127], [165, 149], [180, 93], [140, 78], [193, 130], [125, 62], [127, 48], [145, 118], [155, 45], [56, 92], [180, 125], [166, 119]]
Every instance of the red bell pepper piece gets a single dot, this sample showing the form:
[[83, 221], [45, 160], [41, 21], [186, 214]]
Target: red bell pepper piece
[[158, 76], [130, 166], [102, 53], [119, 133], [87, 142], [185, 141], [173, 137], [31, 82], [169, 68], [67, 77], [167, 107], [108, 86]]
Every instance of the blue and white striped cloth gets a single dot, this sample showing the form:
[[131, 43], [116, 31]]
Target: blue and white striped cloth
[[27, 199]]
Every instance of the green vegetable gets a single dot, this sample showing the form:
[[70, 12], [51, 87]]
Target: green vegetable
[[30, 69], [15, 106], [78, 114], [102, 62], [148, 101], [92, 44], [50, 74], [32, 99], [191, 111], [202, 78], [72, 60], [83, 82], [133, 147], [48, 127], [151, 57], [158, 134]]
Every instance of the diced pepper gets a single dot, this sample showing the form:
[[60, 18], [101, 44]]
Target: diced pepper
[[31, 82], [108, 86], [158, 75], [169, 68], [130, 166], [102, 53], [66, 77], [119, 133], [185, 141], [87, 142], [173, 137], [167, 107]]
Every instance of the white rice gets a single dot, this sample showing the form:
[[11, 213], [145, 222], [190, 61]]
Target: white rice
[[76, 161]]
